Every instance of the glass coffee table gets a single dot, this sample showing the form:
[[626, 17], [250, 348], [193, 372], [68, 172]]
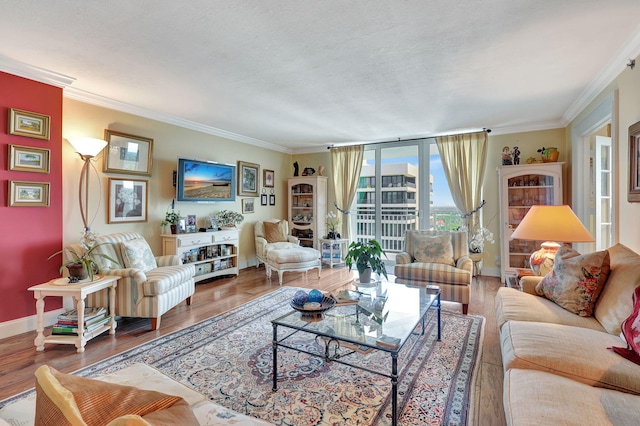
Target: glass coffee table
[[384, 319]]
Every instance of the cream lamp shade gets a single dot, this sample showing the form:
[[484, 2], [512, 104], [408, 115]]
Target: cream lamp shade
[[87, 147], [551, 224]]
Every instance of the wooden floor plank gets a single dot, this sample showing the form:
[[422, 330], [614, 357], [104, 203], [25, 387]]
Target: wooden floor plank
[[19, 359]]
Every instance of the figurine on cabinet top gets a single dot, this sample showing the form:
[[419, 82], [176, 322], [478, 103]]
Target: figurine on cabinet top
[[506, 156], [516, 155]]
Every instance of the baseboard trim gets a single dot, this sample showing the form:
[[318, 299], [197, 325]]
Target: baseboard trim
[[26, 324]]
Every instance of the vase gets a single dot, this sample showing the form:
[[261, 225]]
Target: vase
[[174, 229], [331, 235], [542, 260], [550, 157], [77, 271]]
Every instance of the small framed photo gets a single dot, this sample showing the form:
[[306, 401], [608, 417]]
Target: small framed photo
[[248, 175], [248, 205], [127, 154], [263, 199], [272, 199], [28, 194], [29, 124], [214, 223], [127, 200], [182, 225], [268, 178], [28, 159], [191, 223]]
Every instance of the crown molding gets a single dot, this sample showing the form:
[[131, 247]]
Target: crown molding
[[530, 127], [102, 101], [613, 69], [31, 72]]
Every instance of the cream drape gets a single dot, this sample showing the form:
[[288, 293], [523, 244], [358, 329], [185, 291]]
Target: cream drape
[[464, 160], [346, 164]]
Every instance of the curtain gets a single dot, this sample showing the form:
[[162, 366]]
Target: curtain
[[346, 164], [464, 160]]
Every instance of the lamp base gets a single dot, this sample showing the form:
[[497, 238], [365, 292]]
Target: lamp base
[[542, 260]]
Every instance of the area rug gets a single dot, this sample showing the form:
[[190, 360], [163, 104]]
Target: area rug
[[228, 358]]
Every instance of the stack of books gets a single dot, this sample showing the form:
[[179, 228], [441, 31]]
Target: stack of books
[[67, 324]]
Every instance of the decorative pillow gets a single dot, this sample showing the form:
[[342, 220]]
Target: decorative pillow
[[275, 232], [67, 399], [137, 254], [631, 332], [576, 280], [433, 249]]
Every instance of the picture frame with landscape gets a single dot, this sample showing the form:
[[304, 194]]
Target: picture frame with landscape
[[29, 124], [28, 194], [127, 200], [248, 205], [29, 159], [127, 154], [248, 175]]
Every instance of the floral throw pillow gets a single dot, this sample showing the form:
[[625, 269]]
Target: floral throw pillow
[[631, 332], [433, 249], [576, 280], [137, 254]]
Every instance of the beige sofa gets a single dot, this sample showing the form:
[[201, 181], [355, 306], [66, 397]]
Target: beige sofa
[[558, 369], [144, 377]]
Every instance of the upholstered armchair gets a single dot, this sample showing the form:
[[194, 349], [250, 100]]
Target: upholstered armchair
[[279, 238], [440, 258], [149, 285]]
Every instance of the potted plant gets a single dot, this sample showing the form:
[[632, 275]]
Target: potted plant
[[228, 218], [333, 223], [83, 262], [366, 257], [171, 218], [549, 154]]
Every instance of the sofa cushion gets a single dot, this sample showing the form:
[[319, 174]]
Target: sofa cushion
[[533, 398], [576, 280], [68, 399], [433, 248], [137, 254], [275, 232], [577, 353], [614, 303], [162, 280], [514, 305]]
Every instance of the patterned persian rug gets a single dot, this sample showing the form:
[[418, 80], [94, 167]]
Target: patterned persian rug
[[229, 359]]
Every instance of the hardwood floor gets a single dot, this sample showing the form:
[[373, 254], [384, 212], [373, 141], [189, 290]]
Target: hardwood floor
[[19, 359]]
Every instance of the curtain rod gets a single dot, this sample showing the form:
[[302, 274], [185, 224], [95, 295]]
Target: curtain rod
[[484, 129]]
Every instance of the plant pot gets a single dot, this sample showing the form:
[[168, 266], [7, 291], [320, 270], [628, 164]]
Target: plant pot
[[365, 276], [78, 271], [174, 229], [551, 156], [331, 235]]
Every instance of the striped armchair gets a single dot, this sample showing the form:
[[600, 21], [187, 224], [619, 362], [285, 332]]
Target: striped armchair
[[149, 285], [452, 273]]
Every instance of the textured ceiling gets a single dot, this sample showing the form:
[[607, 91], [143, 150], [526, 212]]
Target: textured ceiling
[[304, 74]]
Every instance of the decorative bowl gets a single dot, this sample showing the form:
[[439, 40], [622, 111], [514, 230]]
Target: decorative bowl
[[315, 307]]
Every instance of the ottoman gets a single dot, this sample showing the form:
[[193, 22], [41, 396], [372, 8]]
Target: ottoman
[[299, 259]]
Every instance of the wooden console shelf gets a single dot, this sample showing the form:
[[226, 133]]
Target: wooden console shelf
[[213, 253]]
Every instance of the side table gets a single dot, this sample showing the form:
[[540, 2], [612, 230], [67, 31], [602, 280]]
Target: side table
[[333, 250], [79, 293]]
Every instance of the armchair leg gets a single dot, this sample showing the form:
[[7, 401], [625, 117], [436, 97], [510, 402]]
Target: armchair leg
[[155, 323], [465, 308], [189, 301]]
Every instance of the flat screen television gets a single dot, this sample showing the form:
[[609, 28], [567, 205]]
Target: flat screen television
[[205, 181]]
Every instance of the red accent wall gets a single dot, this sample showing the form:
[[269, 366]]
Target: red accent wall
[[28, 235]]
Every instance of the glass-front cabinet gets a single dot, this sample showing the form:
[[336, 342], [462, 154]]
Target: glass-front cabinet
[[523, 186], [308, 209]]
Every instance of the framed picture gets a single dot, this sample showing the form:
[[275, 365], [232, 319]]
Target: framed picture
[[127, 154], [28, 194], [248, 175], [263, 199], [127, 200], [28, 159], [29, 124], [268, 178], [633, 196], [272, 199], [248, 205], [214, 223], [191, 223]]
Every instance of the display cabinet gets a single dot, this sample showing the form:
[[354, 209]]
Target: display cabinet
[[212, 253], [308, 209], [523, 186]]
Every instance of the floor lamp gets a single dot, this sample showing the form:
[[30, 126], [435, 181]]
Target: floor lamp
[[551, 224], [87, 148]]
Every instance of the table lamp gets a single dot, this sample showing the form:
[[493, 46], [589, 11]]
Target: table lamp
[[551, 224]]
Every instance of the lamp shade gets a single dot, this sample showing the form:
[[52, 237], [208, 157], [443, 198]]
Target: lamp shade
[[89, 147], [552, 223]]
